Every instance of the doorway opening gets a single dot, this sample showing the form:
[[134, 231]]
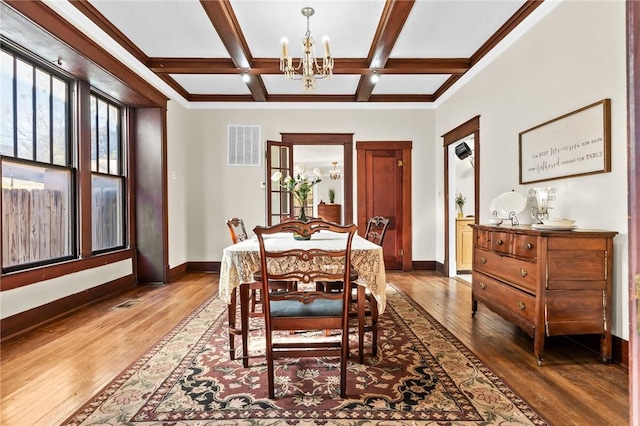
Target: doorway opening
[[461, 182], [313, 150]]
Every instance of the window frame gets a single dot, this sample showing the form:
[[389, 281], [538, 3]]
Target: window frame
[[122, 163], [70, 144]]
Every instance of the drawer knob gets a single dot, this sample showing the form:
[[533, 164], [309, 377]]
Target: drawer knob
[[528, 246], [521, 305], [483, 285], [483, 260], [499, 242], [523, 272]]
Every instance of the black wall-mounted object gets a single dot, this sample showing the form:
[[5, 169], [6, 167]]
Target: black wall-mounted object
[[463, 151]]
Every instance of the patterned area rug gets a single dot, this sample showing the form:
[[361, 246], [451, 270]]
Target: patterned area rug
[[421, 375]]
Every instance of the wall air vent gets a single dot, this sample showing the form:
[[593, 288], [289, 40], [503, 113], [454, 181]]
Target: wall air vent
[[243, 145]]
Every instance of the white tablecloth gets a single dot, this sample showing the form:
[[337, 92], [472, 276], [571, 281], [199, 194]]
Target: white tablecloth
[[241, 260]]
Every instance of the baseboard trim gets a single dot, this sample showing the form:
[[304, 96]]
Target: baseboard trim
[[203, 266], [424, 265], [619, 347], [24, 321], [177, 272]]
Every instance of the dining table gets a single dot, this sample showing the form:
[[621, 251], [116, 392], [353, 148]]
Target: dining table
[[241, 260]]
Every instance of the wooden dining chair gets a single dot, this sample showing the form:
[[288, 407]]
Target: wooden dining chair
[[375, 232], [306, 308], [237, 229], [376, 229], [248, 298]]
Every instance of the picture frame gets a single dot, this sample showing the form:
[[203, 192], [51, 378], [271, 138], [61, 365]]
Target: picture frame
[[575, 144]]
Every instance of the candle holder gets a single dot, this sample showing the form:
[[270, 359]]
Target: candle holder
[[541, 196]]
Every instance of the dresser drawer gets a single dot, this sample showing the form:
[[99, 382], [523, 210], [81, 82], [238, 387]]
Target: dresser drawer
[[501, 241], [522, 273], [525, 245], [517, 302], [483, 239]]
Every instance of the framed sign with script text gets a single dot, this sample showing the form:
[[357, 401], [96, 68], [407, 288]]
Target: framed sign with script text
[[575, 144]]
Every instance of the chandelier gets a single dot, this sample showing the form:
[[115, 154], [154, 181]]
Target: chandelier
[[334, 173], [308, 69]]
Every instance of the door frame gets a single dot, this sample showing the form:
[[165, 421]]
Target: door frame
[[344, 139], [470, 127], [407, 229]]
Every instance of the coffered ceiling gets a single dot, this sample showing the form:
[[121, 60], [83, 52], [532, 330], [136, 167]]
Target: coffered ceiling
[[201, 47]]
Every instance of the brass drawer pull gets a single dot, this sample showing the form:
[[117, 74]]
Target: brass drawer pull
[[499, 242], [521, 305], [529, 246], [523, 272], [483, 260], [483, 285]]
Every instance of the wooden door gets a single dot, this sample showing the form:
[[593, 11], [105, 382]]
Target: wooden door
[[384, 189], [279, 200]]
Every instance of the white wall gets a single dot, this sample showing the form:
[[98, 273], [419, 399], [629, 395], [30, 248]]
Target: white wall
[[574, 56], [27, 297], [216, 192], [177, 182]]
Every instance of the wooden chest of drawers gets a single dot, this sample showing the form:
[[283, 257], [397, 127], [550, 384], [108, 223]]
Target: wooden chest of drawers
[[330, 212], [547, 282]]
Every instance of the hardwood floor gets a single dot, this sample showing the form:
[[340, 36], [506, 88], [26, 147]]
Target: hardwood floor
[[49, 373]]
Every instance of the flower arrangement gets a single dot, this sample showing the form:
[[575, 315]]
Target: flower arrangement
[[300, 184], [460, 200]]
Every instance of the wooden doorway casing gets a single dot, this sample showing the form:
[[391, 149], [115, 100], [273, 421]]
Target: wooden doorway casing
[[344, 139], [471, 127], [398, 243]]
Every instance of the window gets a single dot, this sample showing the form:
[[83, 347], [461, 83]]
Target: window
[[107, 177], [37, 173]]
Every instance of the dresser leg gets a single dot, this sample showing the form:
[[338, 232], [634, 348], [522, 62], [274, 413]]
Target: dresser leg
[[605, 348], [538, 346], [474, 307]]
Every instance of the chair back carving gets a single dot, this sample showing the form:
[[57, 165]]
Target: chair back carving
[[237, 229], [306, 308], [376, 229]]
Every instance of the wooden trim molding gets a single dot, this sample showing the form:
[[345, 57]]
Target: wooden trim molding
[[32, 276], [27, 320], [424, 265], [52, 38], [177, 271], [203, 266]]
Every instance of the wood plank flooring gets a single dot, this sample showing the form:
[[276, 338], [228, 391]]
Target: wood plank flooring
[[49, 373]]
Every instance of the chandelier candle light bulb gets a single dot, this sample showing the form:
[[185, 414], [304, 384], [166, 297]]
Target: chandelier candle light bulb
[[327, 51]]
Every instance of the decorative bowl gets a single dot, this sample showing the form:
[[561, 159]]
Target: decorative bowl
[[495, 221], [556, 221]]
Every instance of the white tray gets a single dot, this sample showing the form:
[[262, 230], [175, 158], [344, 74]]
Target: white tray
[[542, 227]]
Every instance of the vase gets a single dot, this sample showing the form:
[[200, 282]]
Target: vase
[[302, 217], [303, 209]]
